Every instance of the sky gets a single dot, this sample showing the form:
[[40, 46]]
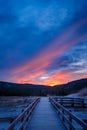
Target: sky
[[43, 41]]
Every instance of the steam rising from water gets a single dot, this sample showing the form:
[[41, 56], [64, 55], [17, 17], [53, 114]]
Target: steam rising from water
[[82, 92]]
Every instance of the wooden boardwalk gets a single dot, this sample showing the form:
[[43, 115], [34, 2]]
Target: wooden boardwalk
[[44, 117]]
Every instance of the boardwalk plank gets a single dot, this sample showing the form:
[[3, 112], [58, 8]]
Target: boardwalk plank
[[45, 118]]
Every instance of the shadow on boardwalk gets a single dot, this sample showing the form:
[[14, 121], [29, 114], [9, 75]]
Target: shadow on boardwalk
[[44, 117]]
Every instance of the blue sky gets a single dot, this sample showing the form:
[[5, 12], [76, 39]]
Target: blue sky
[[43, 41]]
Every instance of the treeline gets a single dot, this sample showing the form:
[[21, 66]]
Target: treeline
[[13, 89], [71, 87]]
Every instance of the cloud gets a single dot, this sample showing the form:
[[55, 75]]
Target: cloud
[[56, 48], [46, 57], [41, 39]]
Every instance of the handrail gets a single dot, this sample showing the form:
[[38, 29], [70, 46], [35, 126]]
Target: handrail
[[61, 109], [73, 101], [24, 116], [74, 98]]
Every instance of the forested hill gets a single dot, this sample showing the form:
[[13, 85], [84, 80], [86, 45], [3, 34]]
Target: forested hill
[[14, 89]]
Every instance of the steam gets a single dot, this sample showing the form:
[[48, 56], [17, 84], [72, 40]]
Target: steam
[[82, 92]]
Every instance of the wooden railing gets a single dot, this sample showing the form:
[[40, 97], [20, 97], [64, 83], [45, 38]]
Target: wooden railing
[[73, 102], [67, 117], [24, 117]]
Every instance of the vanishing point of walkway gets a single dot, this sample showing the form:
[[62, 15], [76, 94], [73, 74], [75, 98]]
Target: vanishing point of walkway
[[44, 117]]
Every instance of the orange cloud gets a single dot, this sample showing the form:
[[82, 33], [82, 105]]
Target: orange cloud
[[59, 78], [56, 48], [28, 77], [36, 68]]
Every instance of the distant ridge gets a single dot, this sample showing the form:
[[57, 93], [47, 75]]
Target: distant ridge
[[71, 87], [14, 89]]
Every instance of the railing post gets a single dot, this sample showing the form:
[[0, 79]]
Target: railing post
[[61, 102], [11, 122], [22, 128], [83, 102], [23, 116], [84, 129], [12, 128], [59, 110], [70, 119], [72, 102], [63, 115]]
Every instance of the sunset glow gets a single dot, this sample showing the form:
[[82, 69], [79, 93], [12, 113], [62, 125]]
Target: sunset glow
[[43, 42]]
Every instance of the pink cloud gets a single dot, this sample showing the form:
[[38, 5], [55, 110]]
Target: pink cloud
[[36, 67]]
